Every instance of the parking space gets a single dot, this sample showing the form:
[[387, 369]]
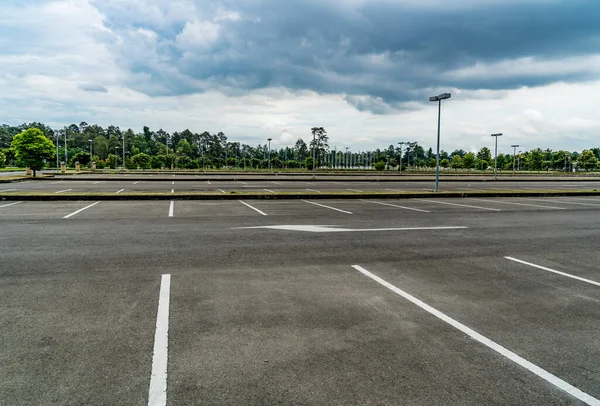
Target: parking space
[[77, 332], [267, 303]]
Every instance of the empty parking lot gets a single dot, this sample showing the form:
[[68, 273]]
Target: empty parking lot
[[412, 301]]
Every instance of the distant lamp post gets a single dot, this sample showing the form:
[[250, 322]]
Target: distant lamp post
[[314, 154], [438, 99], [514, 156], [269, 139], [347, 161], [496, 155], [57, 151], [519, 162], [91, 144], [116, 157]]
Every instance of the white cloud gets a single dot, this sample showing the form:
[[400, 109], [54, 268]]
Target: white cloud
[[199, 34]]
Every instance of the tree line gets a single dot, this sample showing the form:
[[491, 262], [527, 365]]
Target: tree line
[[188, 150]]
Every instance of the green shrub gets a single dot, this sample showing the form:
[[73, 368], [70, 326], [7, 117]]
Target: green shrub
[[379, 166]]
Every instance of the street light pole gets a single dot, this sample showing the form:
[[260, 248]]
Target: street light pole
[[314, 149], [269, 139], [116, 159], [438, 99], [496, 155], [346, 158], [514, 156], [91, 144], [57, 151]]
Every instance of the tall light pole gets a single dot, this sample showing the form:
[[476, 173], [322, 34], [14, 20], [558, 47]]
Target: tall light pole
[[57, 151], [496, 155], [346, 158], [400, 166], [519, 166], [91, 143], [514, 156], [269, 139], [116, 159], [123, 150], [438, 99], [66, 149], [314, 151]]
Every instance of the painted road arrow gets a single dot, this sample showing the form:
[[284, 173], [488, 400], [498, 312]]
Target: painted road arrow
[[335, 229]]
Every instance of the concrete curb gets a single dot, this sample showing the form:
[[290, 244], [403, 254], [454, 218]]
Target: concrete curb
[[287, 196]]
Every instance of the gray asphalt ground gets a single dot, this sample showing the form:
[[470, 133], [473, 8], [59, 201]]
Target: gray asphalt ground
[[262, 316], [274, 186]]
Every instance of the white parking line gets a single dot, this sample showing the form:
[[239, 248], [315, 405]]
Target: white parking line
[[542, 373], [328, 207], [208, 181], [395, 205], [461, 205], [568, 275], [80, 210], [62, 191], [314, 190], [355, 190], [253, 208], [172, 183], [277, 183], [157, 394], [268, 190], [586, 199], [243, 183], [7, 190], [10, 204], [171, 208], [222, 191], [518, 204], [172, 190], [135, 183], [566, 202], [119, 191], [95, 183]]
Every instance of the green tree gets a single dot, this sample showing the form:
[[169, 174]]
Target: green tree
[[33, 148], [469, 161], [2, 160], [184, 148], [484, 154], [320, 140], [141, 160], [587, 160], [457, 162], [100, 146], [536, 159], [379, 166], [444, 163]]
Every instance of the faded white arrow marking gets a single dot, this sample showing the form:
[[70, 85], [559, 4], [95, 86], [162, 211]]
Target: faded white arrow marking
[[333, 229]]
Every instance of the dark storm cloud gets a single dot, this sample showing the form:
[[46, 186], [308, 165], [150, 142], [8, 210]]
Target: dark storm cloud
[[382, 49]]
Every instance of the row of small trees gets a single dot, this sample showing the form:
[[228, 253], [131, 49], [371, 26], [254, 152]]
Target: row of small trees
[[196, 151]]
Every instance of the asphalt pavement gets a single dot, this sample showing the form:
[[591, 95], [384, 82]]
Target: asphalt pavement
[[188, 184], [300, 302]]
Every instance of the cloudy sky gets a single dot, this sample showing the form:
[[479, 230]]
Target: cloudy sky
[[363, 69]]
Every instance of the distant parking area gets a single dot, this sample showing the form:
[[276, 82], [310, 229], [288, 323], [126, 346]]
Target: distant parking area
[[384, 302], [188, 184]]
